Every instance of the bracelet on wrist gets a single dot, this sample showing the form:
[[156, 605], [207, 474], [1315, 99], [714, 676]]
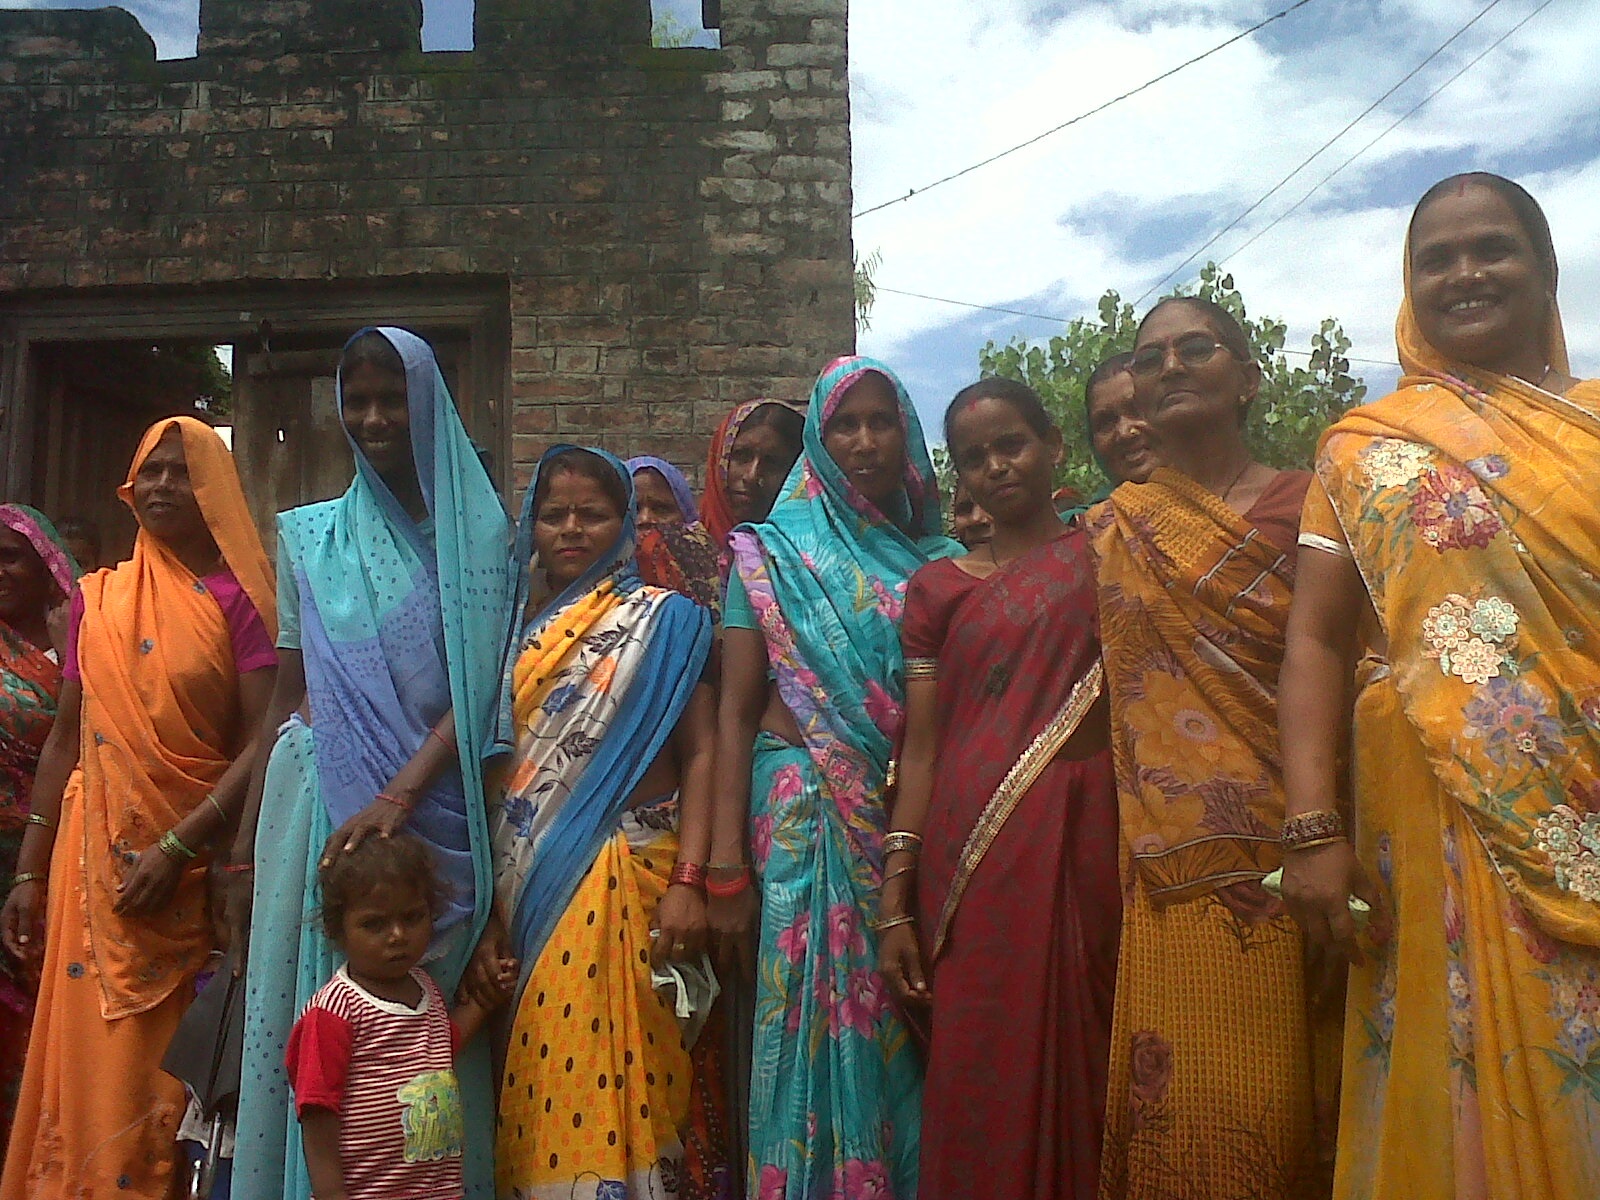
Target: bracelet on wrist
[[890, 922], [42, 821], [1327, 841], [722, 889], [689, 875], [238, 868], [394, 800], [902, 839], [211, 799], [908, 869], [1312, 828], [172, 846], [22, 877]]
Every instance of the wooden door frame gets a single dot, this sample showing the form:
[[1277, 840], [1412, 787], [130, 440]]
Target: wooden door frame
[[235, 315]]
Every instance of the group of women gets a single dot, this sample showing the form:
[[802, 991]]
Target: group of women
[[832, 858]]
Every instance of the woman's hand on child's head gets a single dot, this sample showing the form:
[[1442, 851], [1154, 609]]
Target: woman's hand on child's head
[[384, 817]]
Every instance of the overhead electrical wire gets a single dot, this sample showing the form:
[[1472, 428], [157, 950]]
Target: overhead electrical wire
[[1317, 153], [1084, 116], [1059, 320], [1293, 208]]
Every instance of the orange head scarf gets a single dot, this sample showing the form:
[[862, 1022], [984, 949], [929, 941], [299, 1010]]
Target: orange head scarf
[[217, 490]]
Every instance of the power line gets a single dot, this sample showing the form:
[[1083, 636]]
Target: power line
[[1482, 54], [1317, 153], [1083, 116], [1059, 320]]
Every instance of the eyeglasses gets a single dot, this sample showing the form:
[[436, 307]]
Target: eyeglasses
[[1192, 350]]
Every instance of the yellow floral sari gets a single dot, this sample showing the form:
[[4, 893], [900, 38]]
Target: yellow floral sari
[[1472, 1040]]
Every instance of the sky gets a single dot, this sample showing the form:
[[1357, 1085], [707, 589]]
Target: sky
[[1122, 198]]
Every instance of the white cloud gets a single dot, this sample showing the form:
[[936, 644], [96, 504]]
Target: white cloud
[[1123, 197]]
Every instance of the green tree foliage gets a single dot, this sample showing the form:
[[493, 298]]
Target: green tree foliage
[[1296, 403]]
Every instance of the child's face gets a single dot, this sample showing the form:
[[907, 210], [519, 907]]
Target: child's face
[[386, 932]]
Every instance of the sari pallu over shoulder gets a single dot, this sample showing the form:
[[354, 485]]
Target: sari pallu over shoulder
[[593, 688], [399, 627], [160, 691], [1491, 621], [1194, 607]]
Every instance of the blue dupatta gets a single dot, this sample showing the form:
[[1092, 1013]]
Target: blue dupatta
[[553, 829], [399, 627], [681, 491]]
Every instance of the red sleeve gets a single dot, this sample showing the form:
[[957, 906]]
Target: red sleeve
[[922, 628], [69, 663], [455, 1039], [318, 1060], [252, 647]]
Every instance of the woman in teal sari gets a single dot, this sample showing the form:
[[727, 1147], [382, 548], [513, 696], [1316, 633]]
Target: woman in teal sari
[[814, 605], [395, 601]]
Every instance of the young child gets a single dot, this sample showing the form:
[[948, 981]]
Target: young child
[[371, 1060]]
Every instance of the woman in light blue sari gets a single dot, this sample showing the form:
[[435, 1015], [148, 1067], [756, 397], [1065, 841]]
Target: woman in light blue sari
[[815, 604], [396, 598]]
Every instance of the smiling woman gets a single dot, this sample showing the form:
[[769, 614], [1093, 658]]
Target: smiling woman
[[1451, 573]]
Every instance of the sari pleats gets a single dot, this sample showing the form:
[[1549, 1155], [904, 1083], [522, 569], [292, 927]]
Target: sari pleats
[[596, 1082]]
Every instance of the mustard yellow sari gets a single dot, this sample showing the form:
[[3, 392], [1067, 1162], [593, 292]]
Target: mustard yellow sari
[[1223, 1071], [1472, 1038]]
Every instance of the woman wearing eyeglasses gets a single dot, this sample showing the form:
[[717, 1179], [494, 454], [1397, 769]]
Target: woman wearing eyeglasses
[[1215, 1089]]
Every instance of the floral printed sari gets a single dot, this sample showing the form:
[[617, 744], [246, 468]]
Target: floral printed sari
[[1472, 1043], [594, 1092], [835, 1083], [30, 682]]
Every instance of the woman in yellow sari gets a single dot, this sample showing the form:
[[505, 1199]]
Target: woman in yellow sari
[[1215, 1089], [1454, 544], [168, 669]]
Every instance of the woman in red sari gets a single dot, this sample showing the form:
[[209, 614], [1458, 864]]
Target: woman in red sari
[[36, 577], [1001, 905]]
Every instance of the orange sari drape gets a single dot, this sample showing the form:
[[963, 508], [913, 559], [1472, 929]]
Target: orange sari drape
[[160, 721], [1222, 1073], [1472, 1047]]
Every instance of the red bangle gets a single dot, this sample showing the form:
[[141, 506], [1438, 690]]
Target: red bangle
[[689, 874], [722, 889], [242, 868], [393, 801]]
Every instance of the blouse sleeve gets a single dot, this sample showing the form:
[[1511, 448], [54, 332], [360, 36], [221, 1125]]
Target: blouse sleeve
[[921, 630], [252, 645], [737, 612], [69, 664], [1319, 524], [288, 601], [318, 1060]]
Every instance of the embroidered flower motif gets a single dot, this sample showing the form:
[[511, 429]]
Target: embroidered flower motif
[[861, 1005], [1452, 511], [146, 646], [1494, 619], [1469, 638], [1570, 841], [1150, 1066], [1513, 717], [1194, 725], [1490, 466], [1476, 662], [1390, 462], [1448, 624]]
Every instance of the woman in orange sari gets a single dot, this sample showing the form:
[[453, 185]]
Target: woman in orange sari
[[169, 666], [1453, 547], [1213, 1080]]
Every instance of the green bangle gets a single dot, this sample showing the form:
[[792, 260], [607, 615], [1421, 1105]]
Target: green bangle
[[172, 846]]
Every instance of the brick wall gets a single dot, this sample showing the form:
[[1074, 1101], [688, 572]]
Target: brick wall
[[672, 227]]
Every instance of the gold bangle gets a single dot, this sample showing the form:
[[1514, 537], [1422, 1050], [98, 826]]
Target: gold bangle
[[42, 821], [1324, 841], [1308, 827], [28, 877], [896, 873], [890, 923], [902, 839], [211, 797]]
